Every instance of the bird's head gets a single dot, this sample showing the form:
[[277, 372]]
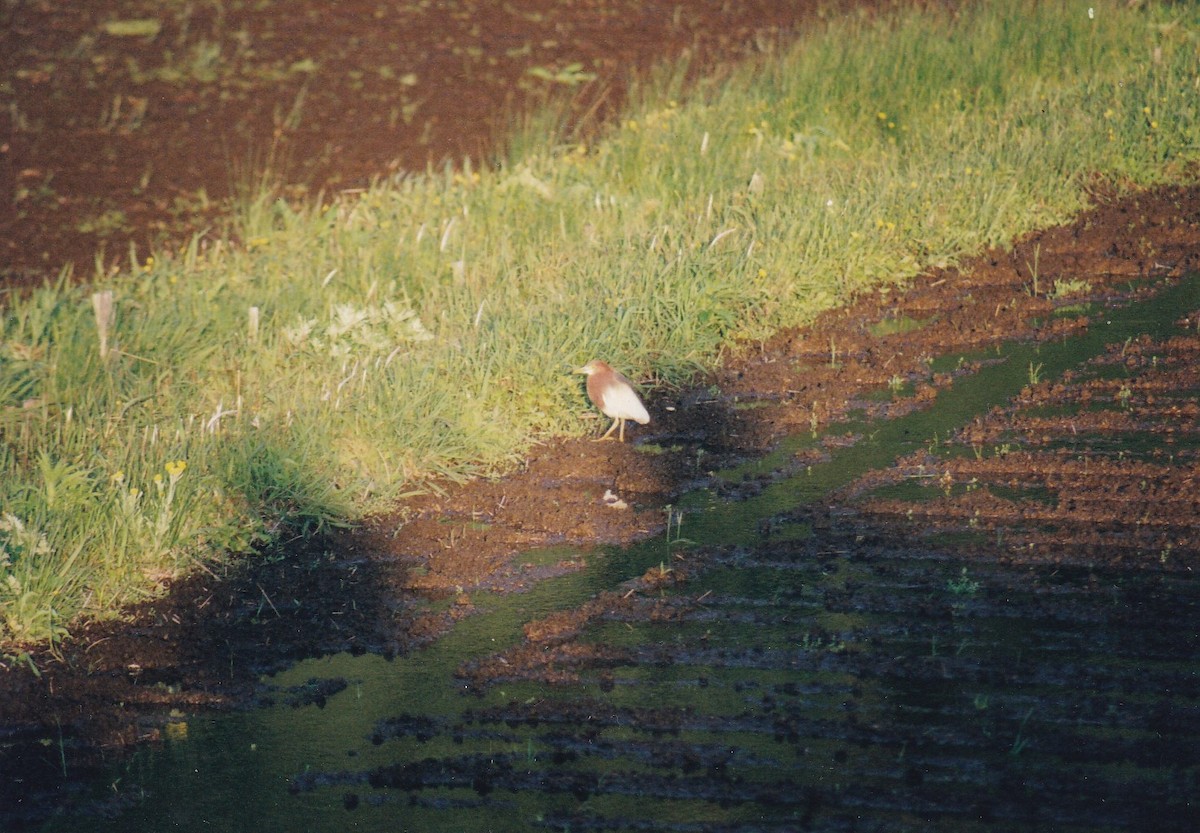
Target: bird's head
[[594, 366]]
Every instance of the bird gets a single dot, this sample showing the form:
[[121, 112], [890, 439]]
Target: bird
[[614, 395]]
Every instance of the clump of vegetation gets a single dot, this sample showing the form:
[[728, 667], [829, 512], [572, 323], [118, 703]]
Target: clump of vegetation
[[350, 353]]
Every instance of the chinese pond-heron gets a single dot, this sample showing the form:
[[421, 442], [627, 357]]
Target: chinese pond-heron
[[615, 396]]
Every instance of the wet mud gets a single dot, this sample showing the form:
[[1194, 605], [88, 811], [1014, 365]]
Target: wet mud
[[1097, 467], [848, 682]]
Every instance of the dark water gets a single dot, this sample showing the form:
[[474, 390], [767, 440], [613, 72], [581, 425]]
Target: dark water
[[803, 677]]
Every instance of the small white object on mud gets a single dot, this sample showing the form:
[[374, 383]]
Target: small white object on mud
[[613, 501]]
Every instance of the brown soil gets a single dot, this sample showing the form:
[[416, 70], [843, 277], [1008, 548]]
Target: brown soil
[[1110, 481], [409, 576]]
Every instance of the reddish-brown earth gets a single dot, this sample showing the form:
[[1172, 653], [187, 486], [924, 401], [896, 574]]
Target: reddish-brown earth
[[408, 577]]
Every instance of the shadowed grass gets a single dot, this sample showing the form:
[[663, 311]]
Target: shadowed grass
[[346, 354]]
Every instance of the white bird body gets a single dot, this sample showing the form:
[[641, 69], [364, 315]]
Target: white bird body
[[615, 396]]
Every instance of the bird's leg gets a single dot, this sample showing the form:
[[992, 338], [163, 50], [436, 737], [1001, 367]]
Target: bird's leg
[[611, 428], [622, 432]]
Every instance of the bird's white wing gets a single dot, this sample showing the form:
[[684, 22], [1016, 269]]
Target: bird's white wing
[[621, 402]]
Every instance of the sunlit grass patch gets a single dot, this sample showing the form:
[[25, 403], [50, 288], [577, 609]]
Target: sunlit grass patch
[[350, 352]]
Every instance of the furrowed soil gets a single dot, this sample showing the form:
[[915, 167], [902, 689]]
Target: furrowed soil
[[1083, 482]]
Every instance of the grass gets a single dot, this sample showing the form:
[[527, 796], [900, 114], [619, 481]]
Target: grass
[[346, 354]]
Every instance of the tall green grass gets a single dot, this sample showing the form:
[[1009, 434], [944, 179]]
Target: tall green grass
[[345, 354]]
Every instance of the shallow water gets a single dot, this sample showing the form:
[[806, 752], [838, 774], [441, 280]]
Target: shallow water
[[804, 676]]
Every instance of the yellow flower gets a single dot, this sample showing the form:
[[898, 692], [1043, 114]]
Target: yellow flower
[[175, 468], [118, 476]]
